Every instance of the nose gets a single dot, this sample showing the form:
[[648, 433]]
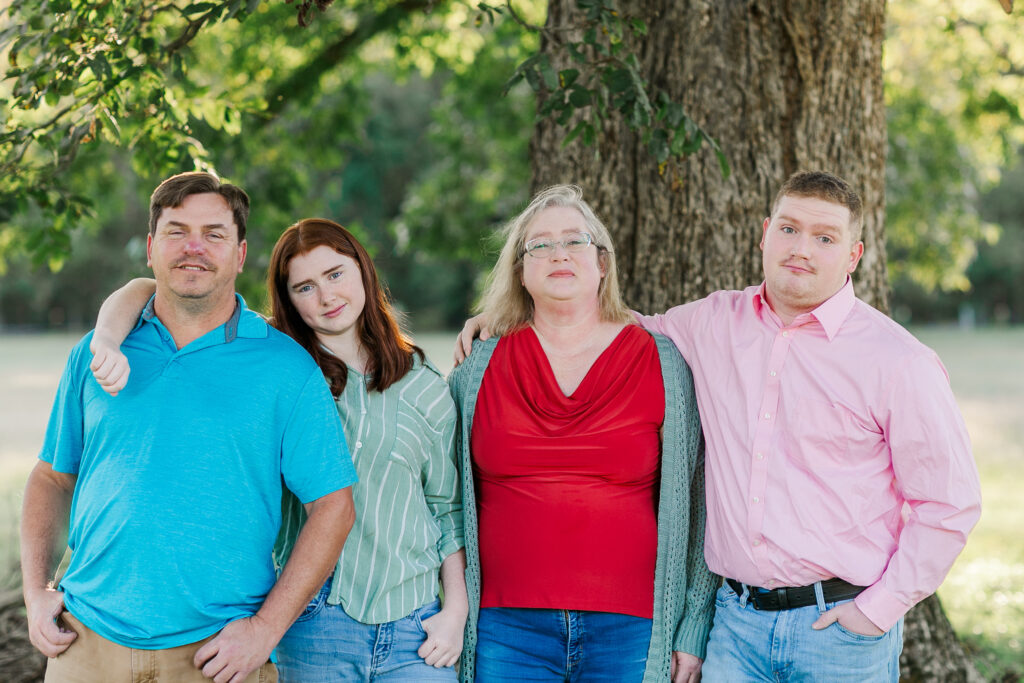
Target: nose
[[194, 244], [559, 252], [326, 295], [800, 247]]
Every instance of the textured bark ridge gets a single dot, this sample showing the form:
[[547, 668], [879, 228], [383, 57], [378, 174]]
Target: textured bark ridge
[[784, 86]]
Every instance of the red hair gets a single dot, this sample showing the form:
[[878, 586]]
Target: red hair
[[388, 346]]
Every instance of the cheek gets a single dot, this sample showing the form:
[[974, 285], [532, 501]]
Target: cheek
[[304, 306]]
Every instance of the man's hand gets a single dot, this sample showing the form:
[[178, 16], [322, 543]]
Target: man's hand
[[444, 638], [849, 617], [109, 366], [685, 667], [475, 326], [44, 606], [239, 649]]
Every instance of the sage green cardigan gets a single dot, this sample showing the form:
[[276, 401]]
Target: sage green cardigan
[[684, 588]]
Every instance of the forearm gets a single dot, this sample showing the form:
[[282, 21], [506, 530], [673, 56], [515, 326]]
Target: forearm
[[313, 558], [120, 310], [453, 583], [44, 521]]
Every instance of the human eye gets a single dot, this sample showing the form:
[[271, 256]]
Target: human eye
[[788, 229], [577, 241], [334, 275], [304, 289], [538, 247], [825, 239]]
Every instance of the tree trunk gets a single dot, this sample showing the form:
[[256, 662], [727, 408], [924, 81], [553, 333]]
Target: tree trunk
[[784, 86]]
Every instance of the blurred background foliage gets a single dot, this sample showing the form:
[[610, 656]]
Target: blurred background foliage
[[392, 119]]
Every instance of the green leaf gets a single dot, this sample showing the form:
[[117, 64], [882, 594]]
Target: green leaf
[[567, 77], [579, 96], [658, 145], [547, 72]]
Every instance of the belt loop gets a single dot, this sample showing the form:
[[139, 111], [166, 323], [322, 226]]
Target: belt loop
[[745, 595], [819, 595]]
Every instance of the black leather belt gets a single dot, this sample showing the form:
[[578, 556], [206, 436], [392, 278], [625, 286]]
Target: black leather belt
[[775, 599]]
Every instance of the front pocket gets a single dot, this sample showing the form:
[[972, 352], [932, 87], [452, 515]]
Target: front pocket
[[317, 603], [856, 637]]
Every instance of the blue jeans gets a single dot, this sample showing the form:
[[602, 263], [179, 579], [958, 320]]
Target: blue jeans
[[560, 645], [751, 645], [325, 644]]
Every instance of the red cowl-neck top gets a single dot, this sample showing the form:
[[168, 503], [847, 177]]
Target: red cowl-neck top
[[567, 486]]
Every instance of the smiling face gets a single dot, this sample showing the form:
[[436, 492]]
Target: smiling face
[[562, 275], [194, 251], [326, 289], [807, 252]]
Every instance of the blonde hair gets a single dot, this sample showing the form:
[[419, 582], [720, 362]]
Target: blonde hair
[[505, 301]]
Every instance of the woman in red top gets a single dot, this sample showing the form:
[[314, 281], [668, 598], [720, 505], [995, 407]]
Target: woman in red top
[[564, 421]]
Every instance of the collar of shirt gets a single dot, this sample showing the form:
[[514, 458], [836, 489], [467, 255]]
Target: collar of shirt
[[242, 323], [830, 314]]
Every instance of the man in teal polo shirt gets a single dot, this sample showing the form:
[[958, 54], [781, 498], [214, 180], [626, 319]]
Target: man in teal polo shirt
[[173, 487]]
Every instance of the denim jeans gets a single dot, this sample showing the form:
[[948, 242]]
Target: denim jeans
[[751, 645], [325, 644], [560, 645]]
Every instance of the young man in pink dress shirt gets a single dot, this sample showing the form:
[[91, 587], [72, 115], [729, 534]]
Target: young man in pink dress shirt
[[841, 484]]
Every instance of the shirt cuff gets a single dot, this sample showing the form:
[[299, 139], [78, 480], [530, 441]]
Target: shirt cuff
[[881, 606]]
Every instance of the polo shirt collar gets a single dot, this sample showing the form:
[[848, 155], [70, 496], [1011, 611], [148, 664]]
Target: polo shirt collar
[[247, 326], [831, 314]]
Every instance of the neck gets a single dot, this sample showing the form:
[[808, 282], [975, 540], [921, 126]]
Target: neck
[[348, 348], [189, 319], [568, 323]]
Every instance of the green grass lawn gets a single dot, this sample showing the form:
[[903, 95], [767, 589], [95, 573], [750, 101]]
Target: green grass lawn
[[983, 595]]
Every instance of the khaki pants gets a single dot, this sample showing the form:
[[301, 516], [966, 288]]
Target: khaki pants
[[94, 659]]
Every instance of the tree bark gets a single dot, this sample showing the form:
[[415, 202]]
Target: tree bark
[[784, 86]]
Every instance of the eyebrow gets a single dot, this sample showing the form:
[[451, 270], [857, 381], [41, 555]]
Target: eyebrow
[[819, 224], [208, 226], [309, 280], [549, 233]]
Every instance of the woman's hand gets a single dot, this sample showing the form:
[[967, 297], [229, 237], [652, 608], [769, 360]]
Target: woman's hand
[[685, 667], [444, 638], [475, 326], [109, 366]]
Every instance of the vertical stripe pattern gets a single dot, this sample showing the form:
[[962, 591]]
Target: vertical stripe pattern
[[407, 501]]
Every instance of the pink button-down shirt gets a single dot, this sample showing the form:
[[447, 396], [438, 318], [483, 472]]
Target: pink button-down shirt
[[834, 448]]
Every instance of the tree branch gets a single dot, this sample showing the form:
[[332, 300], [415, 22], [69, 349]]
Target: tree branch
[[306, 78]]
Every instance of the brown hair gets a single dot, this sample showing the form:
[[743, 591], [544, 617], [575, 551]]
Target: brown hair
[[388, 346], [831, 188], [172, 192]]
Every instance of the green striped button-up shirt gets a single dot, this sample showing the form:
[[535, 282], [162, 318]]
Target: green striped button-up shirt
[[408, 499]]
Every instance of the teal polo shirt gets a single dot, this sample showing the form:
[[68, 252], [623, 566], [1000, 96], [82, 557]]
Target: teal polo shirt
[[177, 501]]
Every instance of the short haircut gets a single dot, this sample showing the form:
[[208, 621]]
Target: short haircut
[[506, 302], [829, 187], [172, 193]]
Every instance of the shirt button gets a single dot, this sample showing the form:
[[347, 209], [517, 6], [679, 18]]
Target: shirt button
[[767, 416], [757, 542], [772, 373], [756, 499], [785, 334], [359, 444], [760, 456]]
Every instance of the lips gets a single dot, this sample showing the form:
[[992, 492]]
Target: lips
[[334, 313], [794, 268], [193, 267], [562, 273]]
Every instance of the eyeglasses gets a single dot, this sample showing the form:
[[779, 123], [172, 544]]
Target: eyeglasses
[[543, 247]]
